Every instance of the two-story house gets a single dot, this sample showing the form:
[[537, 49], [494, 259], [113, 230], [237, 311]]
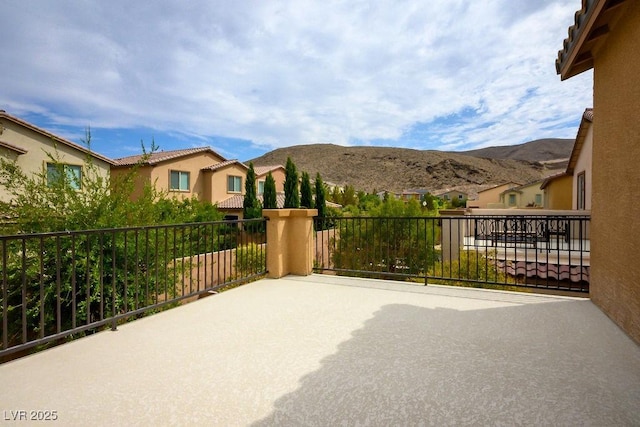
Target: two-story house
[[36, 151], [192, 172]]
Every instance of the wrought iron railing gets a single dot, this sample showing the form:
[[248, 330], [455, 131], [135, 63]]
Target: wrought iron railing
[[545, 251], [58, 285]]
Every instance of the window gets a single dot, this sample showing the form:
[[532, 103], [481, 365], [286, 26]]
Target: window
[[179, 181], [581, 204], [459, 196], [538, 199], [260, 187], [234, 184], [72, 175], [512, 199]]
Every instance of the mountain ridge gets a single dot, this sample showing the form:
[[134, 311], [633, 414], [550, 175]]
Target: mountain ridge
[[397, 169]]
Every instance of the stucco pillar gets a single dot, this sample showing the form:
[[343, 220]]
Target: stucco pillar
[[289, 241], [453, 232]]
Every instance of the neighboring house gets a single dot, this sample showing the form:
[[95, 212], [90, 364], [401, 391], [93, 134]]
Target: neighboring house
[[224, 180], [571, 190], [557, 191], [278, 172], [405, 196], [450, 195], [606, 37], [233, 206], [33, 148], [490, 197], [524, 196], [193, 172], [580, 163], [409, 195]]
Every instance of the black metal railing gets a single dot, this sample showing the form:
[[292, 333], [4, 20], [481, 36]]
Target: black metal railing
[[63, 284], [510, 251]]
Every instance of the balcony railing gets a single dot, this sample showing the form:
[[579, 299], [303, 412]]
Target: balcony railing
[[531, 251], [58, 285]]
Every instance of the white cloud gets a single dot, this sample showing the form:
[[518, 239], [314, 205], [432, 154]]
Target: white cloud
[[282, 73]]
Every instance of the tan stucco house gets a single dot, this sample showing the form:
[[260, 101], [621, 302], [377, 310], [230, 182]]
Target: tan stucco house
[[278, 172], [450, 195], [524, 196], [571, 190], [193, 172], [580, 163], [557, 191], [32, 148], [605, 37], [489, 198]]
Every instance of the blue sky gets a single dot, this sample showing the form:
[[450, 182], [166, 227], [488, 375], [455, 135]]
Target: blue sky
[[249, 77]]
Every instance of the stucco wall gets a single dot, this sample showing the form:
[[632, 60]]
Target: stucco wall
[[192, 164], [525, 196], [142, 177], [558, 193], [218, 180], [490, 196], [279, 176], [38, 146], [584, 164], [615, 285]]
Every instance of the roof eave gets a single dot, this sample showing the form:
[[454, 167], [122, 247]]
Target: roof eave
[[591, 25], [55, 138]]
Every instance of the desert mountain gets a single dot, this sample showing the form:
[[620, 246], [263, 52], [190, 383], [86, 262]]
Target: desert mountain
[[398, 169], [540, 150]]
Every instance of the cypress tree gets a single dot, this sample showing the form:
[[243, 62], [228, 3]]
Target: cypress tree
[[321, 203], [306, 199], [291, 194], [269, 199], [250, 205]]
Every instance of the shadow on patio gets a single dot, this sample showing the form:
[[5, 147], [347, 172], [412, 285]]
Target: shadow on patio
[[326, 350]]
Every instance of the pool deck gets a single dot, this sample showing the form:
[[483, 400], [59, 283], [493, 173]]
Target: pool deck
[[326, 350]]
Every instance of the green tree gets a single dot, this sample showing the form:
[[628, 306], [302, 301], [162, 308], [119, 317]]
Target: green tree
[[430, 202], [291, 193], [110, 263], [349, 196], [306, 198], [321, 204], [335, 195], [251, 205], [397, 238], [269, 198]]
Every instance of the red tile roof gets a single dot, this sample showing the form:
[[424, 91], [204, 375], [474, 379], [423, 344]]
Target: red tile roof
[[263, 170], [236, 202], [163, 156], [224, 164], [591, 24], [56, 138]]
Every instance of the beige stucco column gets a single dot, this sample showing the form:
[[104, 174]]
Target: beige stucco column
[[453, 232], [289, 241]]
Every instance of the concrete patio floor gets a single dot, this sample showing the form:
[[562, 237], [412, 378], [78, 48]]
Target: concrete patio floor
[[326, 350]]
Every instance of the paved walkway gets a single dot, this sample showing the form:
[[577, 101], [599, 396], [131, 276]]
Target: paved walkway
[[326, 351]]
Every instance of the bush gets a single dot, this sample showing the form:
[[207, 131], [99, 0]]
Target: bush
[[473, 269], [87, 269]]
